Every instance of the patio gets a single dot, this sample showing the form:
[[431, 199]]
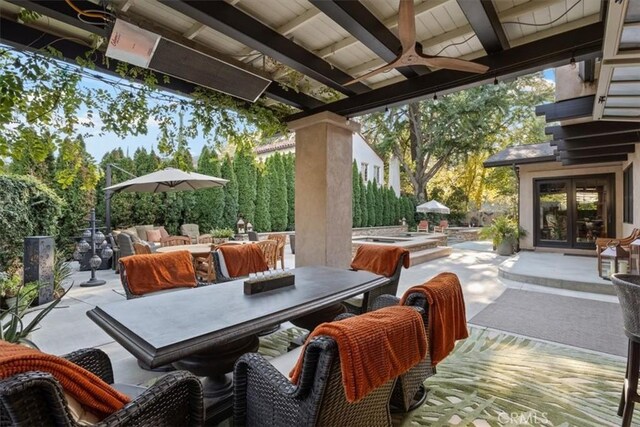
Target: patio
[[532, 338]]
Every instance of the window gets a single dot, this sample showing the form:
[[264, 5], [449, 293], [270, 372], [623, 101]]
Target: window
[[376, 174], [364, 170], [627, 189]]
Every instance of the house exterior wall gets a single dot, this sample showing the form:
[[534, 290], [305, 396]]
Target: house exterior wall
[[529, 173], [264, 156]]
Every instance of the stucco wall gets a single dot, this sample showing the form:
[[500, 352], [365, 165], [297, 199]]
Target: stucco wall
[[363, 153], [555, 170]]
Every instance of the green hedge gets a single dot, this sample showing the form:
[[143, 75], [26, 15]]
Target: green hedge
[[29, 208]]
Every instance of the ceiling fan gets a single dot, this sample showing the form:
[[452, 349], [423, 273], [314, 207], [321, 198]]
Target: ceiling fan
[[410, 56]]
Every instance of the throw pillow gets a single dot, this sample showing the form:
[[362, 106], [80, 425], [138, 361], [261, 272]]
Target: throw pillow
[[163, 232], [142, 230], [154, 235]]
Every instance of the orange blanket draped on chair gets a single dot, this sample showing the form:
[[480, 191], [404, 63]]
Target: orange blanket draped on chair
[[241, 260], [380, 259], [156, 272], [374, 348], [88, 389], [447, 316]]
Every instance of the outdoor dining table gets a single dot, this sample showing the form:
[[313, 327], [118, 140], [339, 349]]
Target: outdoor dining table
[[197, 250], [205, 329]]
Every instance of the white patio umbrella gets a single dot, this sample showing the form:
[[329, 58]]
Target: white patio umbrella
[[166, 180], [433, 206]]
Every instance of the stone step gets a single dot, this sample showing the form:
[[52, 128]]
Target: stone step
[[426, 255]]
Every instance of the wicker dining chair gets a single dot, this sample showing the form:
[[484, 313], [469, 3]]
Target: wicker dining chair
[[37, 399], [175, 241], [264, 396], [141, 249], [205, 238], [270, 250], [282, 241]]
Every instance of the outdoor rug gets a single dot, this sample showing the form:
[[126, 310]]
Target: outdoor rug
[[579, 322], [497, 379]]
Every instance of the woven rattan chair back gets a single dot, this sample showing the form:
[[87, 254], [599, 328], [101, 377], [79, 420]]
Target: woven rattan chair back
[[270, 250], [205, 238], [175, 241], [141, 249], [627, 287], [282, 241]]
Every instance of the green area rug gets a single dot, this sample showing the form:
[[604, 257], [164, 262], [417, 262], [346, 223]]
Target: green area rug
[[498, 379]]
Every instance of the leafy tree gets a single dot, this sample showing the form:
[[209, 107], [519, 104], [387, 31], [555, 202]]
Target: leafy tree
[[355, 197], [364, 207], [245, 170], [278, 207], [426, 136], [209, 206], [122, 204], [262, 221], [290, 172]]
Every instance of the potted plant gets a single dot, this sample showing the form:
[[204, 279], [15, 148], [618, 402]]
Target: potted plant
[[505, 233], [221, 235]]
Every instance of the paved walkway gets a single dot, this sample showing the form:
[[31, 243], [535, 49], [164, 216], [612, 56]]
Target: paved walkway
[[68, 328]]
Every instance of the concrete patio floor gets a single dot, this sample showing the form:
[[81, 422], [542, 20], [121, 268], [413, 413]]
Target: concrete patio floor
[[68, 328]]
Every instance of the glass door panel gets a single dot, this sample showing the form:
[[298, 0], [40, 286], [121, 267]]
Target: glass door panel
[[553, 212], [592, 211]]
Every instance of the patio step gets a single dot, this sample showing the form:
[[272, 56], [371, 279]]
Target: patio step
[[425, 255]]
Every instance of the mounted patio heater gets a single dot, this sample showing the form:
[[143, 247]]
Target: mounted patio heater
[[142, 48]]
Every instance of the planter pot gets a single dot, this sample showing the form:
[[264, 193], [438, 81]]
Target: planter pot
[[10, 302], [505, 248], [220, 240]]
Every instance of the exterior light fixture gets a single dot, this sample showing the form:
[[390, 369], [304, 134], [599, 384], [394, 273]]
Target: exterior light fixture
[[240, 225], [249, 227], [95, 241]]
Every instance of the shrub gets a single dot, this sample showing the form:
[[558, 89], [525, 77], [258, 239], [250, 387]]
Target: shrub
[[29, 208]]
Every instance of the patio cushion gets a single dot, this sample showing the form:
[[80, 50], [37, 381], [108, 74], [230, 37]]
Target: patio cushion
[[93, 393], [241, 260], [163, 233], [379, 259], [374, 348], [447, 318], [142, 230], [154, 235], [134, 236], [156, 272]]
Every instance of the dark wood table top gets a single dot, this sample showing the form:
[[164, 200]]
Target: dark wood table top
[[163, 328]]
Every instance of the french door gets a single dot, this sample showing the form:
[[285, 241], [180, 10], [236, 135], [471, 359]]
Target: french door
[[573, 212]]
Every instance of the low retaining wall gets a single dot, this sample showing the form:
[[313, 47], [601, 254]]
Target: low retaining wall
[[379, 231], [463, 234]]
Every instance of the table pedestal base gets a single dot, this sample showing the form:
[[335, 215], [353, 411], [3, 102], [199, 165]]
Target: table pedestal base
[[215, 364]]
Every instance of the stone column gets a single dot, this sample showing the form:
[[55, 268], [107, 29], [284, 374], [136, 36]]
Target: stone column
[[323, 189], [39, 252]]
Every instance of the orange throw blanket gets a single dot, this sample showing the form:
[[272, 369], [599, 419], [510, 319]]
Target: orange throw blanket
[[241, 260], [374, 348], [380, 259], [447, 316], [156, 272], [88, 389]]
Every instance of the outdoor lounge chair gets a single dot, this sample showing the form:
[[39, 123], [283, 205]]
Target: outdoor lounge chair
[[192, 231], [603, 242], [444, 224], [175, 241], [37, 399], [423, 226], [141, 249]]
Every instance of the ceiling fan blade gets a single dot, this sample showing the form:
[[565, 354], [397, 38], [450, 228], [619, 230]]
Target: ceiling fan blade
[[452, 64], [379, 70], [406, 25]]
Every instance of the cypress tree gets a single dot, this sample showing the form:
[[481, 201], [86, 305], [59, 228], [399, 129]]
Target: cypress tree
[[386, 208], [145, 210], [209, 202], [278, 199], [355, 197], [371, 204], [262, 222], [290, 171], [230, 212], [364, 210], [245, 170], [377, 193]]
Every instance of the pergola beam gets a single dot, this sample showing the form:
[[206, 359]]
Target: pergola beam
[[60, 11], [590, 129], [597, 142], [483, 18], [597, 152], [247, 30], [512, 62], [354, 17], [590, 160], [568, 109]]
